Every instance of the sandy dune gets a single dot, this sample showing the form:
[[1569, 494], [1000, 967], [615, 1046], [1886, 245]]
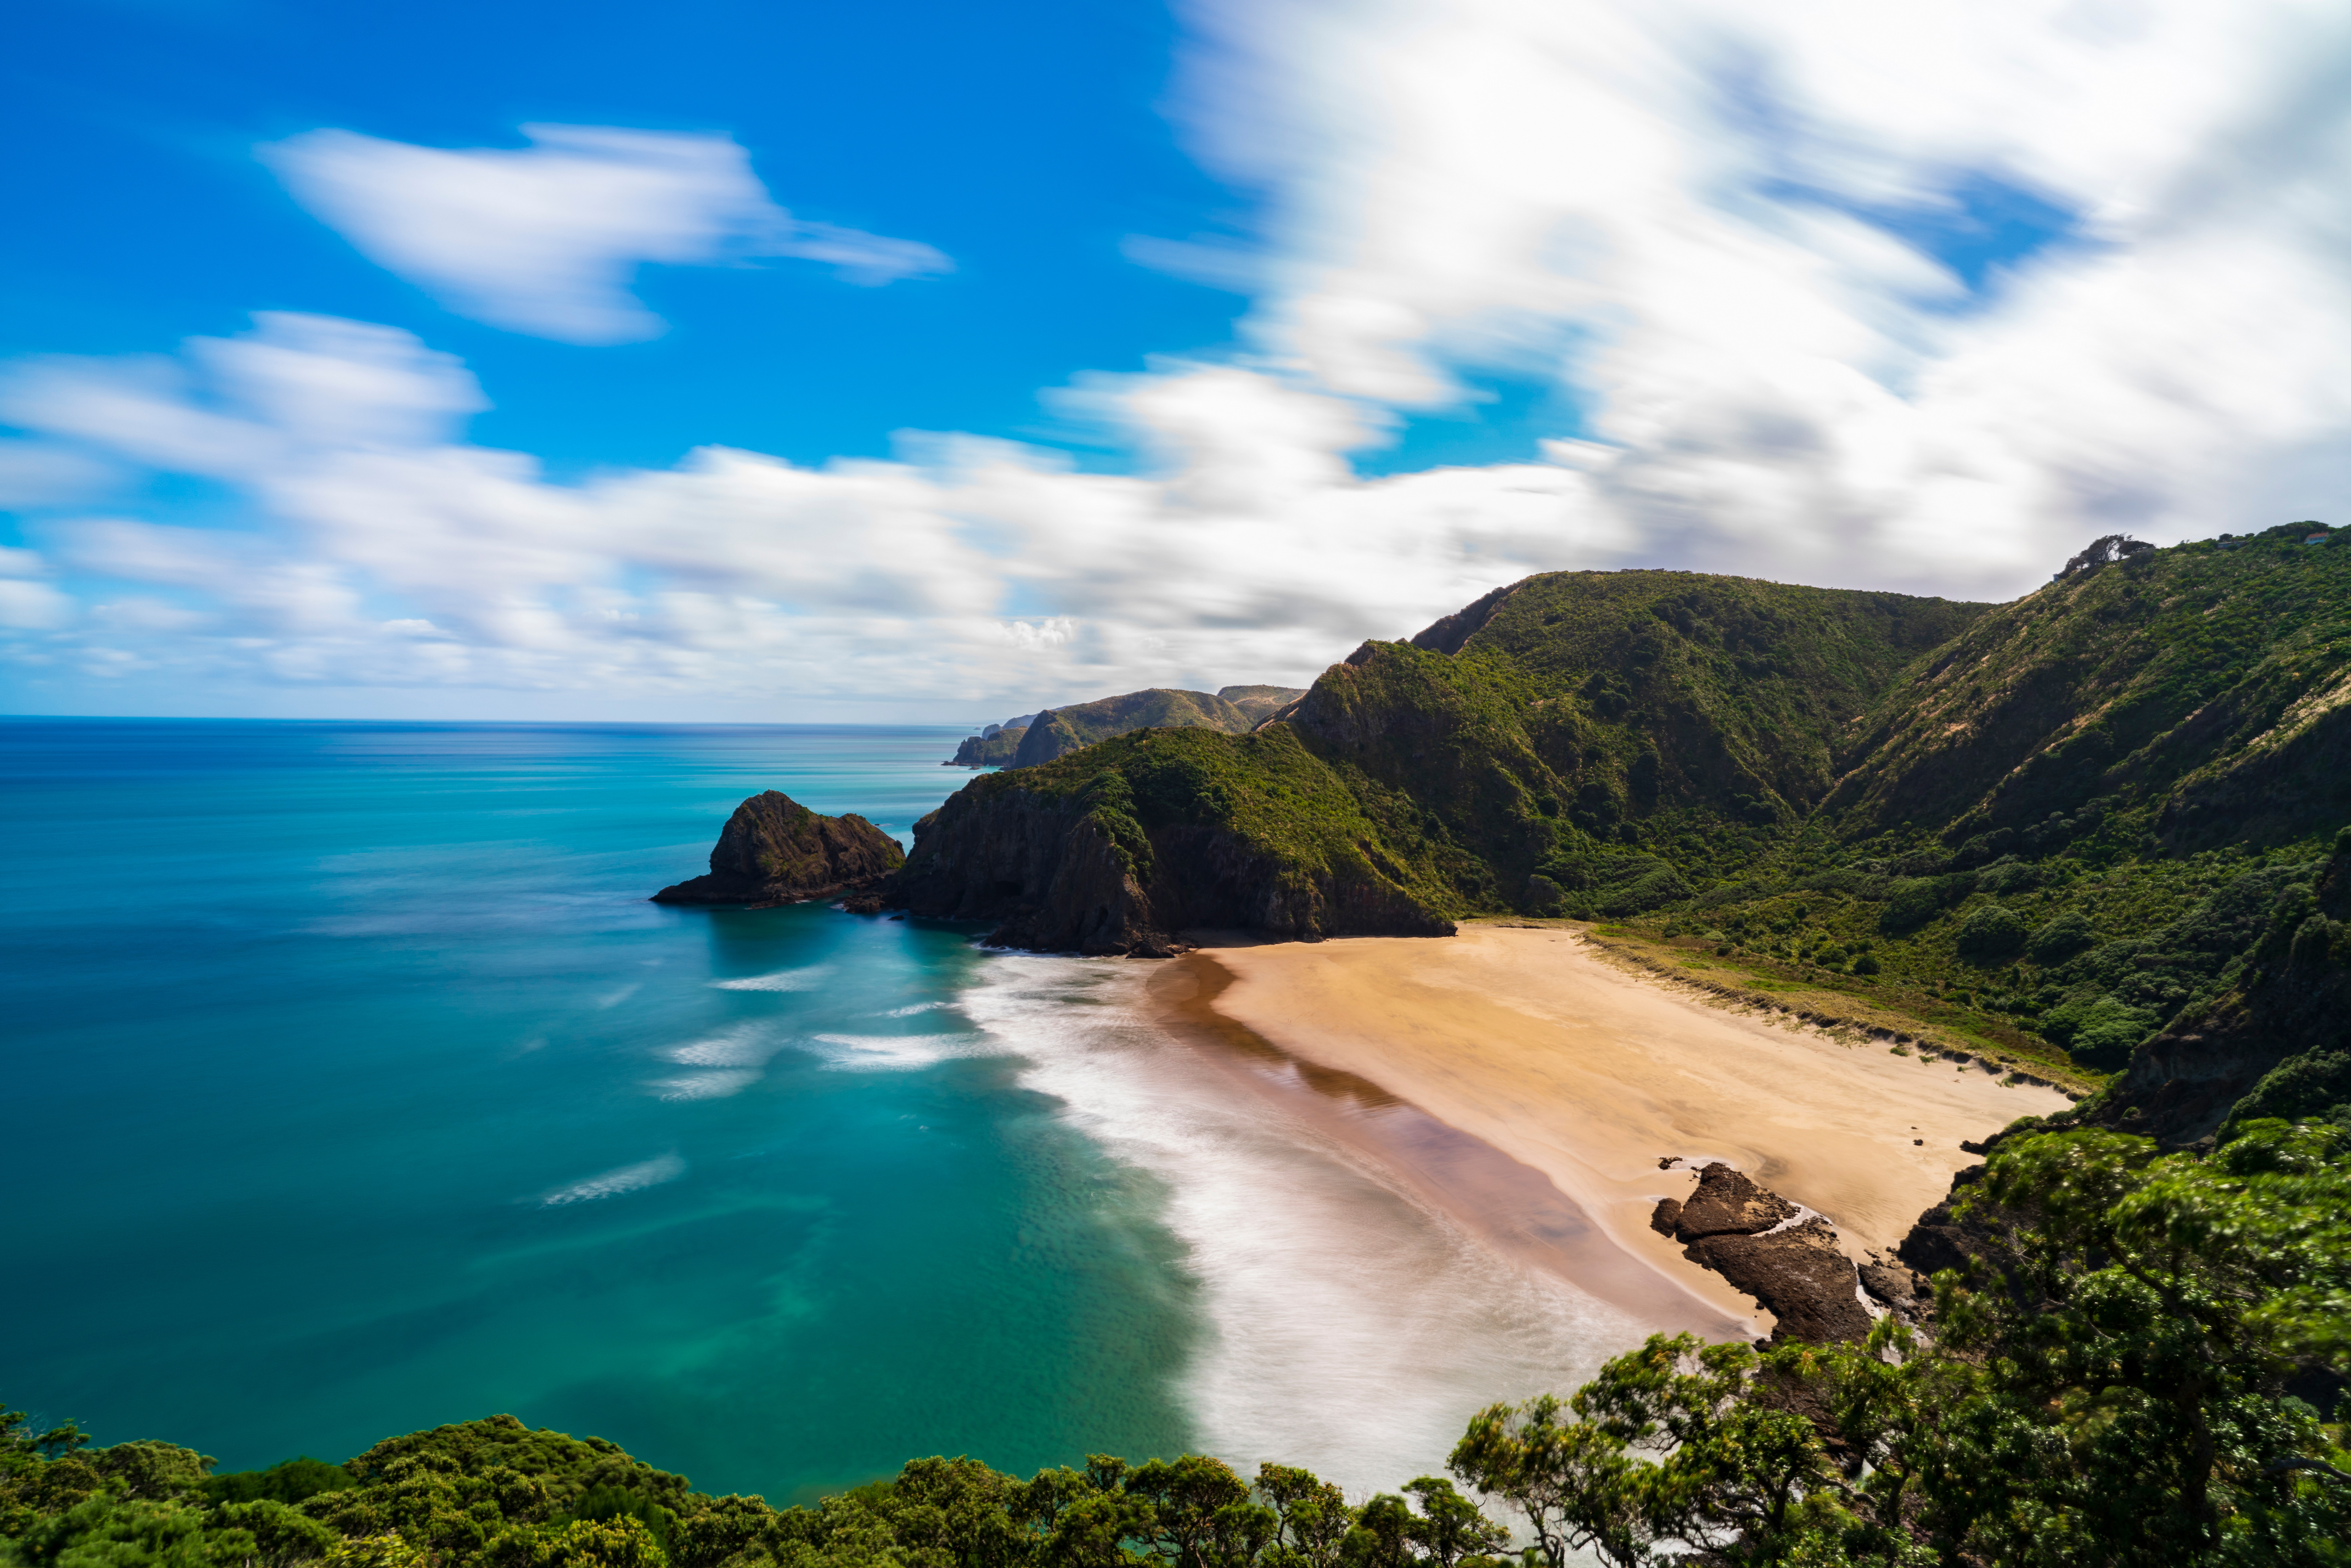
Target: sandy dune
[[1527, 1039]]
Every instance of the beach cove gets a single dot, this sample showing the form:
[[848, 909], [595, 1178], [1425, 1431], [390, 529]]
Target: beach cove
[[1529, 1042]]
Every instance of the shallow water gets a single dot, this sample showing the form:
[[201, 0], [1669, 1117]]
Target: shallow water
[[354, 1087]]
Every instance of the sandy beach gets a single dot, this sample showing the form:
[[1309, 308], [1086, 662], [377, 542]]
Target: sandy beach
[[1531, 1043]]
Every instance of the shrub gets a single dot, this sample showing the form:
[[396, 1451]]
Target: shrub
[[2099, 1031], [1915, 900], [2060, 938], [1991, 931]]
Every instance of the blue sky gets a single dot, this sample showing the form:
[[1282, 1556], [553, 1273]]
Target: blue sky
[[1025, 145], [733, 361]]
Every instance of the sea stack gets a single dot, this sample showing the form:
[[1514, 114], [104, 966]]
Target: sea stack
[[776, 850]]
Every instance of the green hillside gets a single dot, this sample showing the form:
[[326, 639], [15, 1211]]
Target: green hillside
[[2057, 826]]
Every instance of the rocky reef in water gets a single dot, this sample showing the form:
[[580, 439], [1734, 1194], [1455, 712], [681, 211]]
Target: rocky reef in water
[[776, 850]]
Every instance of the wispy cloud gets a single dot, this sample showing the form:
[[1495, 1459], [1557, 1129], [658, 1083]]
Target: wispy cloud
[[546, 239], [384, 549], [1915, 297], [1749, 241]]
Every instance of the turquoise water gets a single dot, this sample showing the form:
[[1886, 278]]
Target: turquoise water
[[353, 1087]]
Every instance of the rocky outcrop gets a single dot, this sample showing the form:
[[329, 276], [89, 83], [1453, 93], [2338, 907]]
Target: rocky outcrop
[[1743, 1232], [1076, 871], [1258, 704], [994, 746], [776, 850]]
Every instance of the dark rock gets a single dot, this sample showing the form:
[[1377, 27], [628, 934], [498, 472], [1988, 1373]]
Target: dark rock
[[776, 850], [1944, 1239], [1890, 1283], [864, 903], [1727, 1203], [1797, 1274]]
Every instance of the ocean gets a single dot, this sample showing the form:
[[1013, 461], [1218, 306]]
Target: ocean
[[353, 1086]]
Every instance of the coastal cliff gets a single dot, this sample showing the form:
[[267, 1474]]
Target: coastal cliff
[[994, 746], [1112, 853], [1032, 738], [1057, 732], [776, 850]]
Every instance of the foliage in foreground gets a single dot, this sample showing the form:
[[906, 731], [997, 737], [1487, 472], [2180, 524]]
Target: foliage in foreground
[[2108, 1389], [2109, 1385]]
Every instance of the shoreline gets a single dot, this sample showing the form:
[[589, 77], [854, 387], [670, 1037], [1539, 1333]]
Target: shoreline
[[1515, 1208], [1531, 1053]]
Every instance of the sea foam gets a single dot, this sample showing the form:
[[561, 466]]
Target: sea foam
[[898, 1051], [613, 1183], [800, 979], [1353, 1330]]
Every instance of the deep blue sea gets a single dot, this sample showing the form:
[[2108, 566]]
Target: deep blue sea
[[352, 1086]]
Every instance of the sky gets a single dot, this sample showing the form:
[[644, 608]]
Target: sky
[[932, 362]]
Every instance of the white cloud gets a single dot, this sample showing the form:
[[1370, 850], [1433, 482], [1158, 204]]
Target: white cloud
[[546, 239], [385, 550], [1701, 218], [1709, 224]]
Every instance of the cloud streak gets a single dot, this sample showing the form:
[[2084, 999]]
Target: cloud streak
[[1760, 249], [387, 550], [546, 239]]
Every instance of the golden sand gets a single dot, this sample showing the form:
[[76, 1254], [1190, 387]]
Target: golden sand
[[1528, 1041]]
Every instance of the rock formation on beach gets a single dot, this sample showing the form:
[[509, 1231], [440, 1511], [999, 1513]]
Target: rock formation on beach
[[776, 850], [1743, 1232]]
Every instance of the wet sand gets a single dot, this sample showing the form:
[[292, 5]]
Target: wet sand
[[1522, 1084]]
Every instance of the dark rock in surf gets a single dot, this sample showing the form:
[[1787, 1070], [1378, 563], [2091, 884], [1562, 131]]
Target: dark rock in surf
[[776, 850]]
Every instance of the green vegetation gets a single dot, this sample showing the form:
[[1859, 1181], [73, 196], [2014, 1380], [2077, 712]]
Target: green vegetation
[[2110, 1383], [1059, 731], [2108, 1387], [1234, 710], [2059, 822]]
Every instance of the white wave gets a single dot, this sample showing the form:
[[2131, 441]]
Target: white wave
[[613, 999], [613, 1183], [745, 1047], [898, 1051], [918, 1007], [1351, 1329], [707, 1085], [800, 979]]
